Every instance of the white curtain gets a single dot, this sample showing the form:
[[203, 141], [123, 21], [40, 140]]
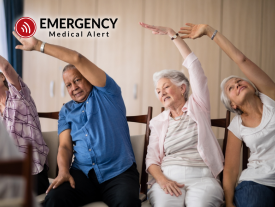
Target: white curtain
[[3, 34]]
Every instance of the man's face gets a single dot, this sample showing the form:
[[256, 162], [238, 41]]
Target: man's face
[[78, 87]]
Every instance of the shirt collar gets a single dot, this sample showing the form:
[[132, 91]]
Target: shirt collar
[[185, 107], [77, 103]]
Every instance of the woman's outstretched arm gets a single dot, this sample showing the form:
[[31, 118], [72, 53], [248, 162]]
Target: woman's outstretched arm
[[9, 73], [255, 74], [180, 44], [90, 71], [198, 79]]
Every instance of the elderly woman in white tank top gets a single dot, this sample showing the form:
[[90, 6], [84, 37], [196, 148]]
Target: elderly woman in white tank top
[[253, 101], [183, 156]]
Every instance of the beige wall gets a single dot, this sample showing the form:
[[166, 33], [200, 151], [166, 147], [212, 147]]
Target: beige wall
[[131, 54]]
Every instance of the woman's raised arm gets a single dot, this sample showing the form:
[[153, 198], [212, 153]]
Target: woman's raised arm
[[198, 79], [90, 71], [255, 74], [9, 73], [180, 44]]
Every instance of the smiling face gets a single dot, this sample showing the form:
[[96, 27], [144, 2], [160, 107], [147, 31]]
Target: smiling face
[[169, 94], [237, 90], [78, 87]]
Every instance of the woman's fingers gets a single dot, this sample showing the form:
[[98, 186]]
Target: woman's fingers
[[148, 26], [174, 190], [179, 191], [185, 31], [145, 25], [165, 190], [185, 36], [172, 187], [151, 27], [180, 185], [155, 29], [169, 190], [190, 24], [186, 28]]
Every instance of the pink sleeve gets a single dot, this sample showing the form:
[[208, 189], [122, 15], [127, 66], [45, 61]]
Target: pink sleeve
[[198, 81], [153, 154]]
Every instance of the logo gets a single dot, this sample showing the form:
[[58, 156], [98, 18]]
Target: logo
[[25, 27]]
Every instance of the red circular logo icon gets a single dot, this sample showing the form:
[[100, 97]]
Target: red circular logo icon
[[25, 27]]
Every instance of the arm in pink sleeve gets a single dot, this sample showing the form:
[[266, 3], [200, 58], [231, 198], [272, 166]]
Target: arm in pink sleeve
[[153, 154], [198, 81]]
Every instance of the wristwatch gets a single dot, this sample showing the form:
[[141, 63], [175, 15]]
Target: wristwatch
[[175, 36]]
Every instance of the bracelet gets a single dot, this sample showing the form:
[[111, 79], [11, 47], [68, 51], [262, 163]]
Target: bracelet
[[175, 36], [42, 47], [214, 34]]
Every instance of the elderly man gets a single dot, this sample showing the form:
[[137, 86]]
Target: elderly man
[[93, 127]]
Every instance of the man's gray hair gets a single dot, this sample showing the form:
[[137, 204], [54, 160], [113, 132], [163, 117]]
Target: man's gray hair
[[226, 101], [67, 67], [176, 77]]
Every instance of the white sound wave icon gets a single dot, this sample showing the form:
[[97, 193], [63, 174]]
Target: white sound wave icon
[[28, 30]]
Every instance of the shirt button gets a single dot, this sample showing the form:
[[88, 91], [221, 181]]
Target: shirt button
[[86, 135], [90, 150], [93, 163], [82, 111], [87, 102]]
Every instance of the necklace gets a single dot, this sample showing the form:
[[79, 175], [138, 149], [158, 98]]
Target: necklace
[[177, 118]]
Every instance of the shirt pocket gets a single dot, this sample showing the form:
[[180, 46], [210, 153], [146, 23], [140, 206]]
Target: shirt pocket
[[92, 107]]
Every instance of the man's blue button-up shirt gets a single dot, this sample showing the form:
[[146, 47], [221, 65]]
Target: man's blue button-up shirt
[[100, 132]]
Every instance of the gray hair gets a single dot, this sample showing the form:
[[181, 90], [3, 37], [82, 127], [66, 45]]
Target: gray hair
[[67, 67], [176, 77], [226, 101]]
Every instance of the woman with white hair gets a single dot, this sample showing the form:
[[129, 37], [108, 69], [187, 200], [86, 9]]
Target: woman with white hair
[[253, 101], [183, 154]]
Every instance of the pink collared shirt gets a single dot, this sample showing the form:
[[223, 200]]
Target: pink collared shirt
[[198, 108]]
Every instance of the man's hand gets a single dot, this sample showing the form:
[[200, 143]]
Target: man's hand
[[28, 44], [61, 178]]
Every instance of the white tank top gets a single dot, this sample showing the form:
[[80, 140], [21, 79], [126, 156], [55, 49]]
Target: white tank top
[[261, 142]]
